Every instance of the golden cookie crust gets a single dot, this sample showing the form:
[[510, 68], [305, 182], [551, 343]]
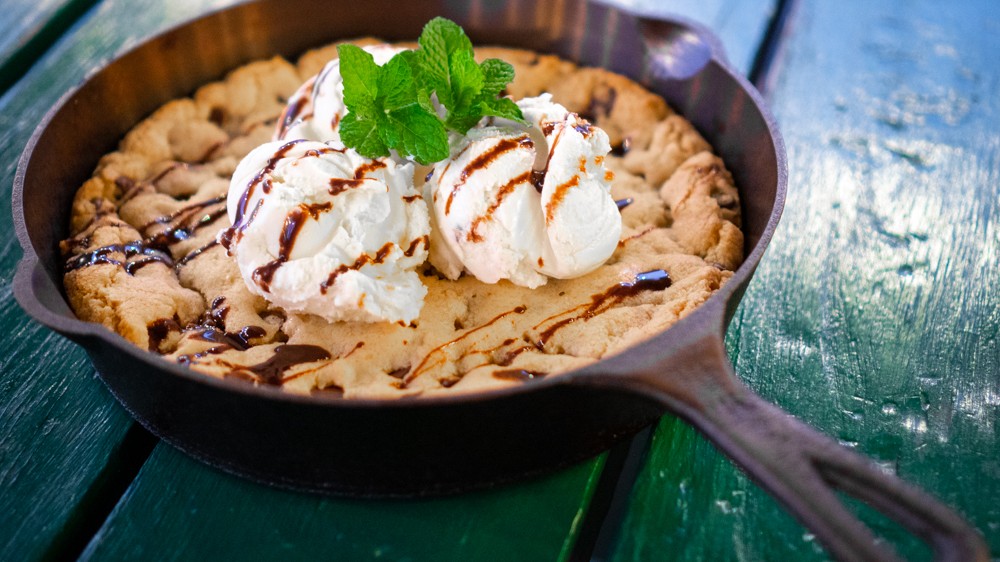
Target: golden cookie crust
[[143, 261]]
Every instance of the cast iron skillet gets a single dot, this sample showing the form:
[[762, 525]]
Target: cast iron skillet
[[453, 443]]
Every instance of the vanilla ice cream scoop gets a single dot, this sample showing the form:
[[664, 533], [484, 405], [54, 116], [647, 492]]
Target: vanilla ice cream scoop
[[525, 203], [324, 230], [315, 110]]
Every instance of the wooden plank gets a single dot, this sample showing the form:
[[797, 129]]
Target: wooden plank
[[28, 28], [874, 314], [61, 433], [22, 20], [179, 510]]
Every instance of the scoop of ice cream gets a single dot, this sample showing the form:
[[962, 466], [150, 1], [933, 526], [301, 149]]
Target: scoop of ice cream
[[327, 231], [315, 110], [523, 203]]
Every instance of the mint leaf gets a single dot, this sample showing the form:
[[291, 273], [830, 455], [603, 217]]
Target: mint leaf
[[393, 107], [462, 122], [417, 134], [362, 135], [497, 74], [466, 82], [501, 107], [359, 71], [383, 109], [396, 87], [439, 41]]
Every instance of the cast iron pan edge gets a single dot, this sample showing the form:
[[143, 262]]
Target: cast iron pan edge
[[684, 370]]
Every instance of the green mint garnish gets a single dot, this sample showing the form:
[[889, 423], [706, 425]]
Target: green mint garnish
[[384, 112], [392, 107]]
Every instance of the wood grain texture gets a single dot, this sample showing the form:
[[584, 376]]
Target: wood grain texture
[[60, 431], [22, 20], [874, 315], [178, 510], [27, 30]]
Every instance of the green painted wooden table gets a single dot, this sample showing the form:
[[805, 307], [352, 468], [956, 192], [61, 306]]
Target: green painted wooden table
[[874, 316]]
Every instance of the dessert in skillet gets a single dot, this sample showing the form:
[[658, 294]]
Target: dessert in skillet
[[385, 223]]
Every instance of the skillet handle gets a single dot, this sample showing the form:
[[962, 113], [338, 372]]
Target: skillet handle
[[795, 463], [803, 468]]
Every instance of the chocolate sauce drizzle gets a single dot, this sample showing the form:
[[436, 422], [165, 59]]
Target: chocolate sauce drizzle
[[194, 254], [412, 248], [158, 331], [557, 197], [482, 161], [271, 372], [340, 185], [440, 349], [505, 190], [183, 211], [232, 340], [261, 176], [367, 168], [155, 248], [655, 280], [294, 110], [103, 255], [365, 259], [181, 232]]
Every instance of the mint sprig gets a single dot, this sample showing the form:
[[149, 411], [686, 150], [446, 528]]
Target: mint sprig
[[469, 91], [392, 106], [384, 112]]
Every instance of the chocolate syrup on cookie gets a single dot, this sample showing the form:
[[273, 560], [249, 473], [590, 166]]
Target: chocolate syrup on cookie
[[655, 280], [285, 357], [194, 254], [103, 255], [169, 218], [158, 331], [239, 340], [423, 364], [181, 232]]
